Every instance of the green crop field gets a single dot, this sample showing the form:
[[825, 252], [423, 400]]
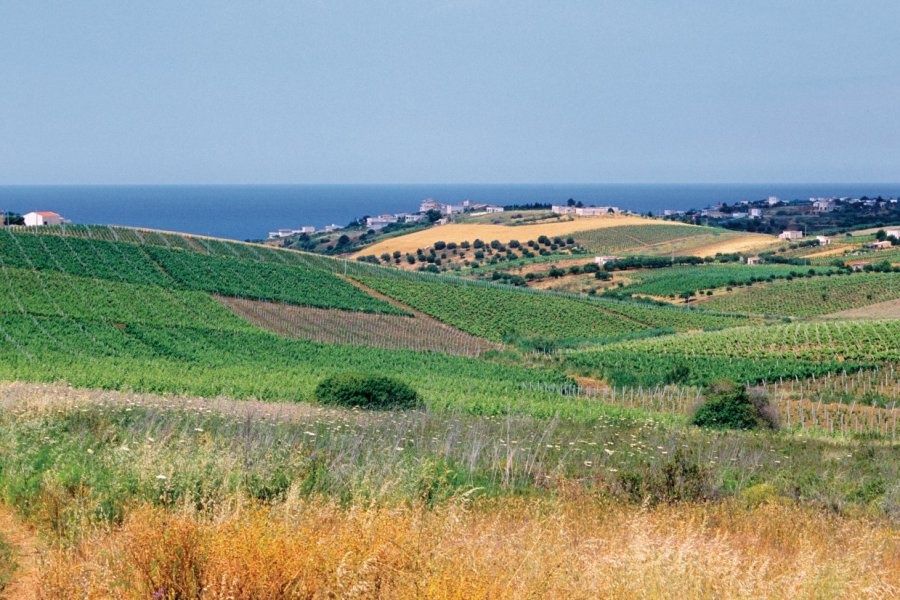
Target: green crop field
[[500, 313], [289, 281], [637, 237], [672, 281], [811, 297], [749, 354]]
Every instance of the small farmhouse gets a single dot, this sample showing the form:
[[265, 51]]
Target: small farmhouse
[[36, 219], [791, 234], [894, 233], [284, 233], [381, 221], [823, 240], [753, 260], [594, 211], [602, 260], [563, 210], [885, 245]]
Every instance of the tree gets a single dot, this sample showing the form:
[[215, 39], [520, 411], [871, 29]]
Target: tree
[[728, 405]]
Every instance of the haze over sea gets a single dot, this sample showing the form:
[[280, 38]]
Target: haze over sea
[[250, 211]]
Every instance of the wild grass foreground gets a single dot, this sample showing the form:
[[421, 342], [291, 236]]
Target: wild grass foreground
[[136, 496]]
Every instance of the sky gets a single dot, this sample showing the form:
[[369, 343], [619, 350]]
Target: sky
[[332, 91]]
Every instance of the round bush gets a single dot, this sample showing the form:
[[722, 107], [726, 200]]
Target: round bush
[[727, 405], [366, 391]]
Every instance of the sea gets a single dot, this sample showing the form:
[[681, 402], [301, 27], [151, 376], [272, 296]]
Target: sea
[[249, 212]]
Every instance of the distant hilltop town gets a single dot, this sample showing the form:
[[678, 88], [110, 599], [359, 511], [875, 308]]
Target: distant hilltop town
[[428, 207], [775, 216]]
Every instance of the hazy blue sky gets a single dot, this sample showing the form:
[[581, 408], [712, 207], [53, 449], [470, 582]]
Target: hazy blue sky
[[454, 91]]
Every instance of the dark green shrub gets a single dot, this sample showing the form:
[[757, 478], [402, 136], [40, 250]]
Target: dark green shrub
[[366, 391], [727, 405]]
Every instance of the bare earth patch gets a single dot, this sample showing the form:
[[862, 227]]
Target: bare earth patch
[[881, 310], [418, 332]]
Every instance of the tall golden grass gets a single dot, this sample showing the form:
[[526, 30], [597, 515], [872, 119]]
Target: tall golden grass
[[569, 547]]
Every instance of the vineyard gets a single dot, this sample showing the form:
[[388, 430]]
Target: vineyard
[[841, 403], [745, 354], [501, 313], [811, 297], [638, 238], [672, 281], [290, 281]]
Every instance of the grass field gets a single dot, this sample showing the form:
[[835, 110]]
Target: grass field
[[140, 495]]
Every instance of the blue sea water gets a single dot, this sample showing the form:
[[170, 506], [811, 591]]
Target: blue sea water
[[250, 211]]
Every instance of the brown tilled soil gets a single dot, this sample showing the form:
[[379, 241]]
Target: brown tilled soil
[[418, 332]]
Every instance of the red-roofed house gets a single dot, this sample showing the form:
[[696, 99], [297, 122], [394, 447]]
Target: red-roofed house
[[34, 219]]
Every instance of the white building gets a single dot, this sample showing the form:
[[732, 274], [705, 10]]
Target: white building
[[602, 260], [414, 218], [894, 233], [563, 210], [594, 211], [284, 233], [773, 200], [381, 221], [791, 234], [332, 227], [824, 204], [36, 219], [452, 209], [429, 204], [753, 260], [755, 213], [823, 240]]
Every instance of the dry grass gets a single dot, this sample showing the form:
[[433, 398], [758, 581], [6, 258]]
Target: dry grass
[[575, 547], [460, 232], [750, 242], [882, 310]]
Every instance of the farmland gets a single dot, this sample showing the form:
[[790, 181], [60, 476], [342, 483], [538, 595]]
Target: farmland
[[640, 239], [501, 313], [812, 296], [159, 428], [153, 265], [746, 354], [462, 232], [674, 281]]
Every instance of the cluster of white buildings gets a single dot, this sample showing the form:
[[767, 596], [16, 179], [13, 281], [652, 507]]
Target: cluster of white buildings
[[585, 211], [467, 206], [307, 229], [428, 205]]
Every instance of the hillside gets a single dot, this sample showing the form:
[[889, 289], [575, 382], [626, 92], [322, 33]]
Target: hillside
[[160, 399], [626, 233]]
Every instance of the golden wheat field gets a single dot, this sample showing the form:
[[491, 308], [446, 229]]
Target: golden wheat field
[[570, 547], [461, 232]]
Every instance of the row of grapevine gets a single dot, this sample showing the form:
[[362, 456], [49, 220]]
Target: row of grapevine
[[811, 297]]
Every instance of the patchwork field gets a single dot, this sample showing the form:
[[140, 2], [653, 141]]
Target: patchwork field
[[462, 232], [162, 432]]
